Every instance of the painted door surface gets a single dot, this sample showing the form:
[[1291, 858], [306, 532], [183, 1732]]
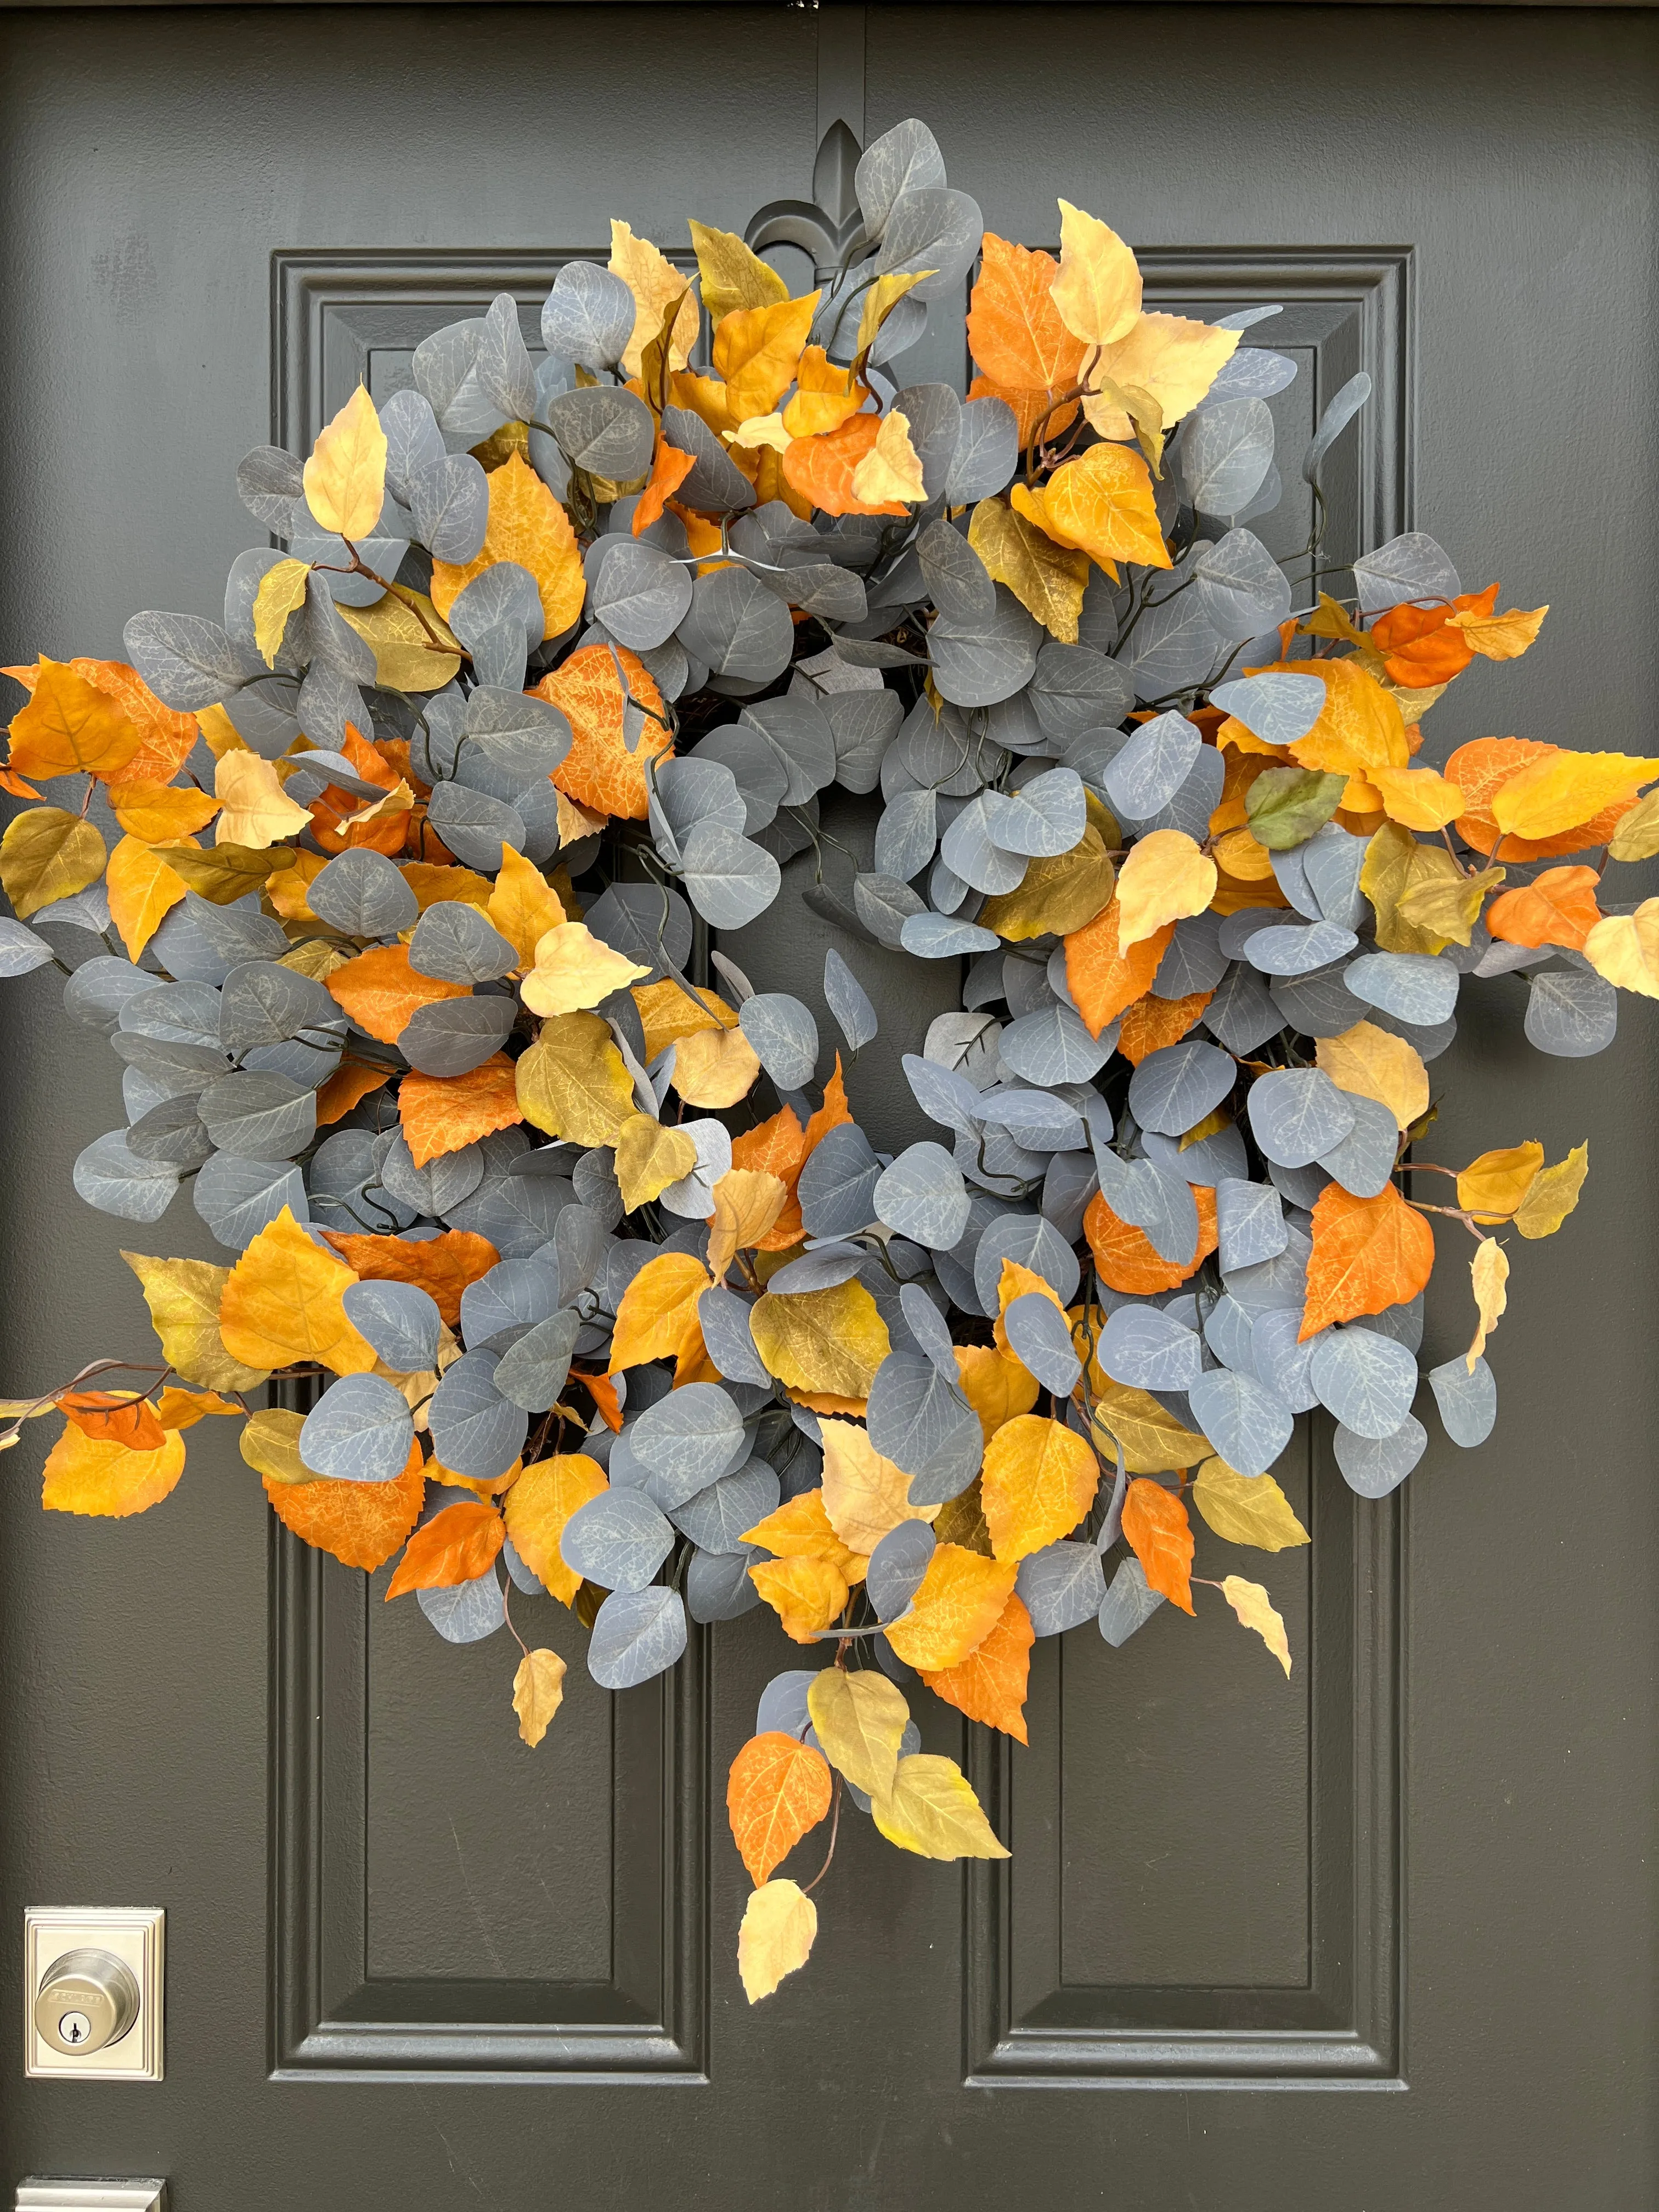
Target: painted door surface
[[409, 1963]]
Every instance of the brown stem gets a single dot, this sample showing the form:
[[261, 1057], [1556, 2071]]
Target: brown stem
[[834, 1830]]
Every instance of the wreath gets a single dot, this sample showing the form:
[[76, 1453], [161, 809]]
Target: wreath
[[391, 879]]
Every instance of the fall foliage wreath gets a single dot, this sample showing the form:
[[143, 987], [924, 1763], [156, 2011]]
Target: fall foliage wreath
[[391, 881]]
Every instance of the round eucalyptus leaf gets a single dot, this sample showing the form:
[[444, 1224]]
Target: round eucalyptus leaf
[[109, 1174], [362, 894], [604, 429], [1033, 1243], [465, 1613], [1129, 1604], [1040, 1337], [723, 1317], [1150, 1350], [640, 595], [1413, 986], [1036, 1119], [837, 1185], [400, 1320], [476, 1431], [987, 452], [933, 227], [1054, 1046], [1248, 1424], [922, 1196], [1151, 768], [514, 1296], [96, 994], [1045, 817], [522, 737], [170, 1130], [1250, 1222], [264, 1116], [1174, 1089], [785, 1037], [897, 1567], [1282, 1359], [736, 627], [452, 1036], [534, 1366], [588, 316], [359, 1431], [21, 950], [1374, 1466], [1060, 1587], [716, 1517], [458, 945], [475, 827], [1366, 1380], [1228, 1330], [637, 1634], [923, 1424], [688, 1440], [1331, 861], [718, 1588], [237, 1198], [449, 501], [848, 1001], [1298, 1113], [1290, 949], [618, 1540], [730, 880], [1467, 1400]]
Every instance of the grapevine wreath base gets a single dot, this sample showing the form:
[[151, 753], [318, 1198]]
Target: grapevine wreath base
[[383, 892]]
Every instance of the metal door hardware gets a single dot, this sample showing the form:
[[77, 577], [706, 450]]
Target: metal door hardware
[[40, 2194], [92, 1992]]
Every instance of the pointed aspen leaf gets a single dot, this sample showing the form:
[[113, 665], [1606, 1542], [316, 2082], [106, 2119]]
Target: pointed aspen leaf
[[442, 1265], [538, 1693], [1493, 1186], [143, 891], [1256, 1610], [732, 277], [861, 1721], [71, 727], [806, 1593], [1055, 897], [1369, 1253], [1103, 504], [523, 905], [381, 991], [799, 1530], [865, 1495], [932, 1810], [824, 468], [359, 1523], [996, 1385], [1018, 337], [1368, 1062], [183, 1296], [99, 1475], [1623, 948], [747, 1202], [441, 1113], [658, 1309], [1637, 837], [45, 855], [715, 1067], [156, 813], [1358, 728], [1549, 796], [830, 1340], [1103, 979], [1556, 907], [526, 525], [1553, 1195], [1126, 1257], [778, 1788], [957, 1603], [1489, 1275], [345, 478], [1149, 1024], [1151, 1438], [574, 970], [617, 722], [1098, 290], [253, 810], [1417, 797], [649, 1156], [269, 1442], [1165, 878], [572, 1082], [1168, 360], [281, 1304], [656, 284], [780, 1923], [990, 1684], [1500, 637], [891, 470], [281, 588], [1246, 1509], [1047, 579], [538, 1506], [756, 351], [455, 1546], [1157, 1529], [1039, 1481]]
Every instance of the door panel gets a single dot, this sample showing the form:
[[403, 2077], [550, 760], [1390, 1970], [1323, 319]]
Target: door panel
[[1421, 1868]]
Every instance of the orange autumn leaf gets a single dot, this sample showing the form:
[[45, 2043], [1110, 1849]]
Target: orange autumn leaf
[[669, 470], [1482, 767], [1420, 646], [778, 1788], [380, 990], [133, 1422], [69, 728], [1558, 907], [442, 1266], [1369, 1253], [359, 1524], [1017, 338], [1151, 1024], [281, 1304], [1126, 1258], [1157, 1529], [351, 1084], [1103, 981], [538, 1505], [821, 469], [599, 771], [441, 1113], [958, 1601], [455, 1546], [990, 1684], [526, 525], [167, 735], [334, 812], [1039, 1481], [99, 1475]]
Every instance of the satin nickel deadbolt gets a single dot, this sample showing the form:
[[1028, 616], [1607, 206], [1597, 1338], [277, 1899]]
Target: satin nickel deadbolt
[[93, 1983]]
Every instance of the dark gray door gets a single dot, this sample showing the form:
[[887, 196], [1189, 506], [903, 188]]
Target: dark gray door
[[411, 1965]]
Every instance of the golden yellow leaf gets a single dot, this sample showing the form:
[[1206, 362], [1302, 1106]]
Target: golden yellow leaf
[[183, 1296], [522, 905], [1170, 359], [269, 1442], [656, 284], [1500, 637], [1098, 290], [830, 1340], [649, 1158], [47, 854], [1047, 579], [756, 351], [142, 890], [1446, 906], [526, 525], [1489, 1273], [283, 1304], [345, 478], [1241, 855], [1246, 1509], [1163, 878], [96, 1475], [1494, 1186], [861, 1721], [1417, 797], [156, 811], [574, 970], [932, 1810], [732, 276], [1623, 948], [572, 1082], [1359, 727], [806, 1592], [779, 1924], [281, 588], [1039, 1481], [538, 1504], [1256, 1610], [1395, 864], [715, 1067], [799, 1530], [667, 1013], [538, 1693], [1370, 1063], [1057, 896], [1637, 837], [996, 1385], [957, 1603], [1153, 1442], [865, 1495], [70, 726], [826, 396], [747, 1202], [1565, 789], [1103, 504], [658, 1308], [254, 811], [414, 648], [880, 301], [1553, 1195], [762, 430], [892, 468], [181, 1409]]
